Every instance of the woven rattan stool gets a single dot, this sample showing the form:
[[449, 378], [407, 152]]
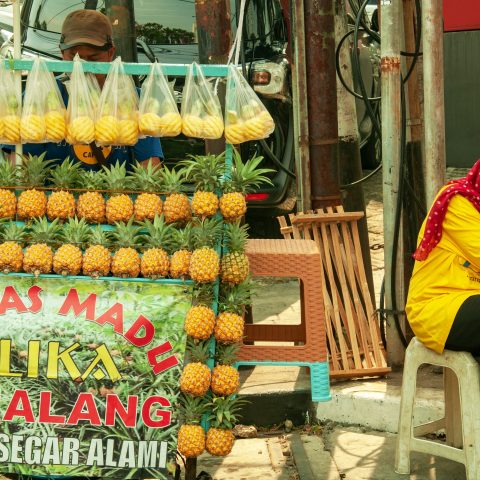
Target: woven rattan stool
[[301, 259]]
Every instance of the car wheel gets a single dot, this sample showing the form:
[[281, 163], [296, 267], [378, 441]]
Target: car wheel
[[371, 153]]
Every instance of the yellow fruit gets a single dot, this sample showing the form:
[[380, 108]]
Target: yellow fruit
[[97, 261], [126, 263], [38, 259], [229, 328], [200, 322], [61, 205], [180, 264], [149, 124], [195, 379], [8, 203], [32, 128], [67, 260], [191, 440], [107, 129], [31, 203], [234, 134], [233, 206], [2, 127], [268, 122], [234, 267], [56, 125], [225, 380], [147, 205], [205, 204], [11, 130], [91, 207], [155, 263], [176, 208], [127, 132], [212, 127], [119, 208], [11, 257], [170, 124], [219, 441], [82, 130], [192, 126], [204, 265]]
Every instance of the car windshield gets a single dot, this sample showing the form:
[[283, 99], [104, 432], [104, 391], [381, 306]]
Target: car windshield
[[172, 24]]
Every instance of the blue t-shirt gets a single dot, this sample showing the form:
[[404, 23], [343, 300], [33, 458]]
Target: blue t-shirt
[[143, 150]]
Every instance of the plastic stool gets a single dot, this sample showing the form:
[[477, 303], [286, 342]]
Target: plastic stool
[[462, 402]]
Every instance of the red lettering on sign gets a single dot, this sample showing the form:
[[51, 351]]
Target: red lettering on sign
[[127, 415], [114, 316], [34, 296], [162, 365], [11, 300], [19, 406], [44, 410], [72, 302], [132, 334], [165, 415], [84, 400]]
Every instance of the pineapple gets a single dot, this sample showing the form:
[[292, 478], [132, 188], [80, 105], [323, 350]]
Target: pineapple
[[230, 323], [235, 265], [61, 203], [11, 253], [176, 207], [225, 378], [191, 436], [11, 121], [180, 260], [155, 261], [38, 258], [220, 438], [68, 258], [147, 180], [200, 319], [119, 206], [32, 203], [55, 118], [196, 376], [97, 258], [205, 172], [126, 260], [91, 204], [8, 178], [245, 177], [205, 261]]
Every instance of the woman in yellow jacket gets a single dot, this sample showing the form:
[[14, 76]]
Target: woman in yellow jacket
[[443, 304]]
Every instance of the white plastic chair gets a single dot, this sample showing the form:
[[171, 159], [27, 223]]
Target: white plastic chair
[[462, 410]]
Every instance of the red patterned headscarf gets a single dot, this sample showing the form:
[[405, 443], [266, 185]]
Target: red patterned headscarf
[[468, 187]]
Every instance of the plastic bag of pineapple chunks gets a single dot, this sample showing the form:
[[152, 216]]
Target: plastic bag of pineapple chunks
[[43, 115], [117, 118], [246, 117], [10, 107], [158, 112], [80, 111], [201, 111]]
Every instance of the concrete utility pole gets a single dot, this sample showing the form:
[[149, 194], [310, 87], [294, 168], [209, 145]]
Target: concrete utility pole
[[434, 105], [322, 102], [122, 16], [392, 30]]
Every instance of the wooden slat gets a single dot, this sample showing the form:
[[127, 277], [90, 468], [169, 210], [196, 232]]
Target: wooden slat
[[330, 217]]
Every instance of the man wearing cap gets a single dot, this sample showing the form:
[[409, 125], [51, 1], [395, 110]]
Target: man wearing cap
[[89, 33]]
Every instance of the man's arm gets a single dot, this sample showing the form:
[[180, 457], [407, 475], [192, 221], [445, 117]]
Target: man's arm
[[155, 161]]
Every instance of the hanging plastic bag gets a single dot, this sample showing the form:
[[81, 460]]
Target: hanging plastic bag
[[10, 107], [158, 112], [117, 120], [43, 115], [201, 111], [80, 111], [246, 116]]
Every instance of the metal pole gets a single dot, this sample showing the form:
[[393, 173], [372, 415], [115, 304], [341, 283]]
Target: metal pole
[[391, 21], [122, 16], [17, 55], [432, 24], [322, 102]]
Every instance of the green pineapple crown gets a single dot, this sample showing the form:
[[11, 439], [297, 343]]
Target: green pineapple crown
[[66, 175], [227, 354], [207, 233], [182, 238], [234, 298], [34, 170], [75, 232], [159, 233], [203, 294], [205, 171], [116, 178], [91, 180], [246, 177], [173, 180], [53, 102], [225, 411], [43, 231], [12, 104], [9, 174], [99, 236], [13, 232], [147, 179], [191, 409], [198, 351], [236, 237], [126, 235]]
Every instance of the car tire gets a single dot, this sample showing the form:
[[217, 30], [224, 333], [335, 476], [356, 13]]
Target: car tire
[[371, 153]]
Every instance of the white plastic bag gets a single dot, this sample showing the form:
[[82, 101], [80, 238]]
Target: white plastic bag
[[10, 107]]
